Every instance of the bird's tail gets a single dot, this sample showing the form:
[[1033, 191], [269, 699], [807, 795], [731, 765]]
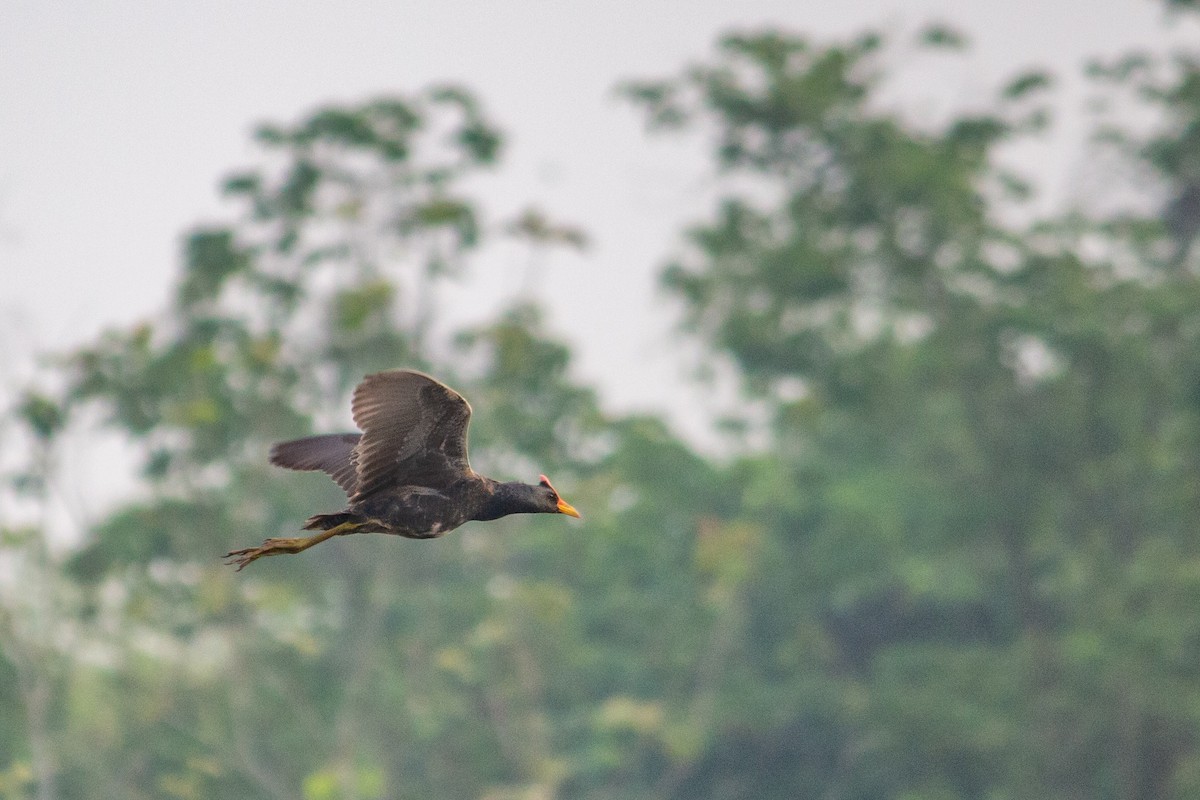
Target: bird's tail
[[345, 520]]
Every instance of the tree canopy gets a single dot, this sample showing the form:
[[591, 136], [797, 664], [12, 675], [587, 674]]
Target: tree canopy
[[964, 564]]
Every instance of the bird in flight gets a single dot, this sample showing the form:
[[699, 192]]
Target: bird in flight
[[407, 472]]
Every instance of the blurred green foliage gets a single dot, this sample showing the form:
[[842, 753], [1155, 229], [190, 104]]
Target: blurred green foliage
[[965, 565]]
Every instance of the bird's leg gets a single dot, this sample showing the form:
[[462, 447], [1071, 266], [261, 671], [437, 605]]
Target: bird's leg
[[277, 547]]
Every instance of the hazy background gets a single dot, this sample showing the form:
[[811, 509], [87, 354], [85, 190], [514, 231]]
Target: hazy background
[[120, 119], [930, 533]]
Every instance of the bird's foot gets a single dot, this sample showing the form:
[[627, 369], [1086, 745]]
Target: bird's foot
[[271, 547]]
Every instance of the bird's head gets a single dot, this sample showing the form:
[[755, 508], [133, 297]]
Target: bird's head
[[525, 498], [553, 504]]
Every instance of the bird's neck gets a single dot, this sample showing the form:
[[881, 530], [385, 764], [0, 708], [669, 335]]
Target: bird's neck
[[508, 498]]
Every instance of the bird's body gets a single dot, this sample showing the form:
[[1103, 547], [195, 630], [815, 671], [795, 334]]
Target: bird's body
[[418, 512], [407, 473]]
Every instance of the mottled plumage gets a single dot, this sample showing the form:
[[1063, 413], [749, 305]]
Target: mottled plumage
[[407, 473]]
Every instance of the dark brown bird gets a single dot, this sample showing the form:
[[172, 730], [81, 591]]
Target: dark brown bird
[[407, 472]]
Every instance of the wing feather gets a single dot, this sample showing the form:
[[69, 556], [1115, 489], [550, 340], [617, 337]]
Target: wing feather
[[332, 453], [414, 432]]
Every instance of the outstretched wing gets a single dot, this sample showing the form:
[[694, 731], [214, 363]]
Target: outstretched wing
[[332, 453], [414, 432]]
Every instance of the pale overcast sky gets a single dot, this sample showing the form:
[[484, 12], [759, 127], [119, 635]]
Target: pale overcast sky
[[119, 119]]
